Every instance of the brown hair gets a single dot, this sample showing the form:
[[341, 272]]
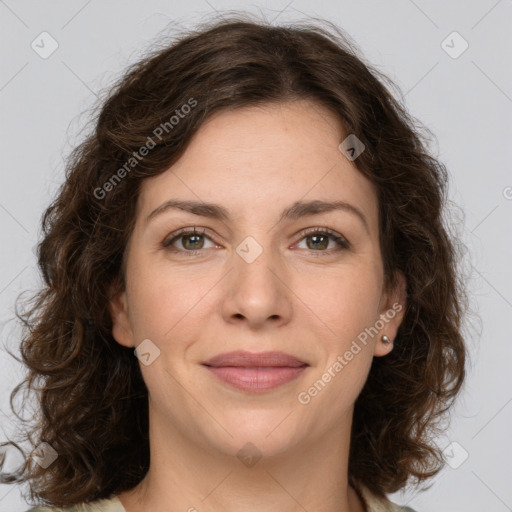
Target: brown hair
[[93, 405]]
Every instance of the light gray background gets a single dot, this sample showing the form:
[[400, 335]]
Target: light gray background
[[465, 101]]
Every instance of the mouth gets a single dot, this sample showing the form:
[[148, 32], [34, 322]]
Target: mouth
[[255, 372]]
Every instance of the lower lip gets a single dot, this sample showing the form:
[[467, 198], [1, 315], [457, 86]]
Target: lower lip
[[256, 380]]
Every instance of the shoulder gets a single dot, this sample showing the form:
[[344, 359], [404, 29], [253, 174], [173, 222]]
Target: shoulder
[[106, 505], [375, 504]]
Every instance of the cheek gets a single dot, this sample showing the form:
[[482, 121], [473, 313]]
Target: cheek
[[344, 307], [163, 304], [346, 301]]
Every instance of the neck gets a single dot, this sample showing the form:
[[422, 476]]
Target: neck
[[187, 476]]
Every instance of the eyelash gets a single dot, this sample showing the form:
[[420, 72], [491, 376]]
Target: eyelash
[[342, 242]]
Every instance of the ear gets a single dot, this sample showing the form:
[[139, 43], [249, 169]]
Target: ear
[[121, 328], [391, 315]]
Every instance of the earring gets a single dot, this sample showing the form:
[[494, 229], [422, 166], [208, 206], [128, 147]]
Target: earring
[[385, 339]]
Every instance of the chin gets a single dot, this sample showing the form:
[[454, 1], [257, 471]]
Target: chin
[[256, 433]]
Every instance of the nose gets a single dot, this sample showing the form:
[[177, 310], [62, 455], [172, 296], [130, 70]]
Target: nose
[[259, 292]]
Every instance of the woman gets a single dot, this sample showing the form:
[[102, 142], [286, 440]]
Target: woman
[[258, 221]]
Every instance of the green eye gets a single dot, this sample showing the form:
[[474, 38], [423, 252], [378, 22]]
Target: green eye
[[193, 240]]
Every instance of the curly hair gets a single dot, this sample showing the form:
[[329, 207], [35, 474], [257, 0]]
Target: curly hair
[[92, 400]]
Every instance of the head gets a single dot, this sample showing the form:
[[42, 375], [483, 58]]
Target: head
[[257, 280], [249, 122]]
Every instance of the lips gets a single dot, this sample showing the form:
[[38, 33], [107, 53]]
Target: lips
[[245, 359], [255, 372]]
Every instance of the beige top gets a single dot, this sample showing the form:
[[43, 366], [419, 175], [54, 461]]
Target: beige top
[[372, 503]]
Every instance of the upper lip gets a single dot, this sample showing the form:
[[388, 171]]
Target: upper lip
[[243, 358]]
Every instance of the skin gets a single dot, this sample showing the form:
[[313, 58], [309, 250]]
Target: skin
[[254, 161]]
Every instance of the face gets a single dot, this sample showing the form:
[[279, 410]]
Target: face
[[308, 283]]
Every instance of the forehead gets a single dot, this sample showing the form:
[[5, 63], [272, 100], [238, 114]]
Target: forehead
[[260, 159]]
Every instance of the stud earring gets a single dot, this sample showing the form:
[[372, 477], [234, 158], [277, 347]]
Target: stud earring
[[385, 339]]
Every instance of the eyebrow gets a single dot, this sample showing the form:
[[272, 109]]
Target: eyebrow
[[295, 211]]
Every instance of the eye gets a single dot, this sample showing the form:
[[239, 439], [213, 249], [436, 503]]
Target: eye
[[192, 241], [320, 238]]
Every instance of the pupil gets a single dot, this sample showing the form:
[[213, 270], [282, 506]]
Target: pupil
[[315, 237], [188, 237]]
